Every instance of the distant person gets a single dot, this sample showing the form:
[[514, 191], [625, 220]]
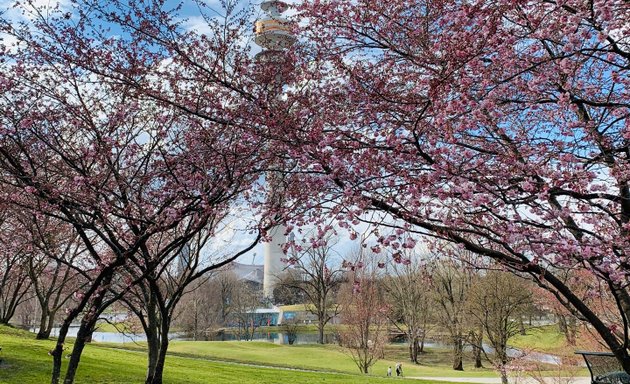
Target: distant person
[[398, 369], [389, 371]]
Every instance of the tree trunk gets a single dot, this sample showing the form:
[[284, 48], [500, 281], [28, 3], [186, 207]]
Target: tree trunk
[[477, 347], [13, 299], [570, 335], [51, 323], [320, 330], [521, 326], [57, 352], [153, 347], [423, 336], [567, 327], [458, 349], [85, 333], [87, 326], [152, 331], [478, 363], [7, 314], [196, 321], [562, 323], [44, 329], [501, 352], [157, 325], [504, 378], [156, 372], [416, 350], [159, 368]]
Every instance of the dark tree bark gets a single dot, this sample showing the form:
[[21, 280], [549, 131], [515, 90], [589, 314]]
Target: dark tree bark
[[84, 335], [414, 350], [477, 345], [458, 354], [562, 323], [46, 324], [14, 284]]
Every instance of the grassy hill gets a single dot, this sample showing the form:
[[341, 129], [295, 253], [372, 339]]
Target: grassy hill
[[26, 361]]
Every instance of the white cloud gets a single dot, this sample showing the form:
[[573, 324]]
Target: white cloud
[[29, 10]]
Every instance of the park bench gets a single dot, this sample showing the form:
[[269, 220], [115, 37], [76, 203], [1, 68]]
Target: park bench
[[604, 368]]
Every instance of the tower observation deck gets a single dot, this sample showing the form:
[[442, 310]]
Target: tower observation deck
[[274, 31]]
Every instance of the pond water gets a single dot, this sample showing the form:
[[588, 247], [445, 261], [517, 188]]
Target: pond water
[[278, 337], [275, 337], [533, 356], [107, 337]]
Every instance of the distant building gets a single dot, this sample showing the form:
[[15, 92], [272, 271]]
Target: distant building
[[252, 273]]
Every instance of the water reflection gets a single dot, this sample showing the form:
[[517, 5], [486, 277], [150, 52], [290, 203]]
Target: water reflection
[[275, 337], [107, 337]]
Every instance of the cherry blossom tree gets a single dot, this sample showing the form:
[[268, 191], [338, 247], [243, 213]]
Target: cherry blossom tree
[[14, 253], [500, 126], [163, 283], [89, 137], [118, 200], [54, 268]]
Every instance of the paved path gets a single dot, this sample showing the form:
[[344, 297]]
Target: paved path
[[496, 380]]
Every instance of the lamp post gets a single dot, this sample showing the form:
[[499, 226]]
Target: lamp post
[[274, 35]]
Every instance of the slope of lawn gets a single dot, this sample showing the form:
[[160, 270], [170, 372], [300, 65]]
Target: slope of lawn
[[26, 361], [545, 339], [321, 357]]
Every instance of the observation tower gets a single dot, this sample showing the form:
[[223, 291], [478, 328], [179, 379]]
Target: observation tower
[[274, 35], [273, 32]]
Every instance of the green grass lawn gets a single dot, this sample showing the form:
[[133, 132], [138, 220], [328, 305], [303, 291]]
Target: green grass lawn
[[546, 339], [320, 357], [26, 361]]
